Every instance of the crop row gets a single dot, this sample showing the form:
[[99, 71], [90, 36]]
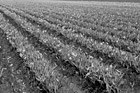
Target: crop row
[[125, 45], [86, 44], [111, 17], [80, 60], [79, 43], [125, 57], [46, 70], [14, 70], [111, 40], [102, 48], [100, 14], [96, 51], [55, 45], [26, 50], [126, 33]]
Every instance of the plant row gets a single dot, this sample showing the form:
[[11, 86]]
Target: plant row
[[15, 71], [120, 31], [96, 52], [76, 57], [127, 57], [126, 33], [103, 48], [124, 45], [45, 69]]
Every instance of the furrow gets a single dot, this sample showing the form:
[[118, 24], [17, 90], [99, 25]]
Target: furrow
[[125, 45], [90, 59], [121, 32], [58, 59], [88, 45], [79, 60]]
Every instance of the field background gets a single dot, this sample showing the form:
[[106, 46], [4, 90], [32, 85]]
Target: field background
[[51, 46]]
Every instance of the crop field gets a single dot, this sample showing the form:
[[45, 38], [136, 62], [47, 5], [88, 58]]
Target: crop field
[[69, 47]]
